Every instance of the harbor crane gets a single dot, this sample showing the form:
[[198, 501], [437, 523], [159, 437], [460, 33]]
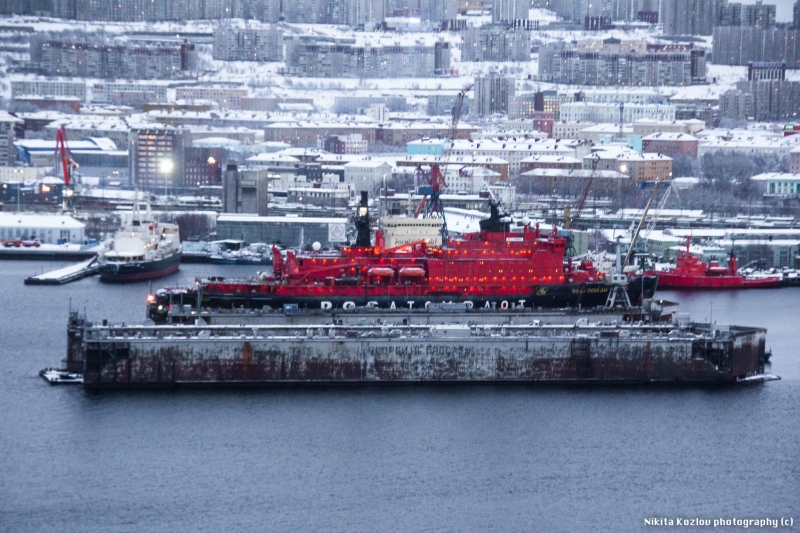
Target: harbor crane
[[67, 166], [431, 204], [569, 218]]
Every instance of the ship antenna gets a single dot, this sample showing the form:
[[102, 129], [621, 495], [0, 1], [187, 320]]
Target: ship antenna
[[136, 219]]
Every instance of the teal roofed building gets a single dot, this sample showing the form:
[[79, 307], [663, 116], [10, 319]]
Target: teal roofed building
[[426, 146]]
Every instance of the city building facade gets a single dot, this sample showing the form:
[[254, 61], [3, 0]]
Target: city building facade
[[615, 62], [493, 94]]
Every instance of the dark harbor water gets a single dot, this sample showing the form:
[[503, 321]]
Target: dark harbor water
[[460, 458]]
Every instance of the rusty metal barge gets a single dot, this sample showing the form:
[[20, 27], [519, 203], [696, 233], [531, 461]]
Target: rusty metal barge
[[169, 356]]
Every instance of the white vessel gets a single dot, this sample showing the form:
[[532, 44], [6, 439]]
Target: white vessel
[[142, 249]]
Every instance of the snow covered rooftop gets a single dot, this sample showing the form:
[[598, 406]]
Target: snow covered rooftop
[[90, 144], [669, 136], [216, 141], [5, 117], [574, 173], [277, 220], [477, 159], [273, 157], [25, 220], [776, 176], [549, 158]]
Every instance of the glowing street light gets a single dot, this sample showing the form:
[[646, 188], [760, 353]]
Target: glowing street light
[[166, 166]]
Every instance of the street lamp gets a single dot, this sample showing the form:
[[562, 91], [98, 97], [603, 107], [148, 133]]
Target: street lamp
[[165, 166]]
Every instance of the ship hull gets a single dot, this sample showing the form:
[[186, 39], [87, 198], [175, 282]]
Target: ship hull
[[139, 271], [198, 355], [570, 295], [667, 280]]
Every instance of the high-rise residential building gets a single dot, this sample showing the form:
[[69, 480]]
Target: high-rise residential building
[[730, 14], [348, 12], [509, 10], [577, 10], [248, 44], [323, 57], [97, 59], [65, 9], [774, 99], [156, 156], [615, 62], [759, 14], [740, 45], [737, 14], [796, 15], [736, 104], [689, 17], [493, 94], [496, 42], [263, 10], [7, 136], [435, 10]]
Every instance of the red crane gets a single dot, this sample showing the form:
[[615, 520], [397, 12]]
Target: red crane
[[67, 164], [61, 145], [436, 176]]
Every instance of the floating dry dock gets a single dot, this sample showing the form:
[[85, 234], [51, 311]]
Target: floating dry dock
[[225, 355]]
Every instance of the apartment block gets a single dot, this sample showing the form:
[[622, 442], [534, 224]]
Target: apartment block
[[496, 42], [226, 97], [794, 160], [774, 99], [103, 92], [736, 104], [156, 157], [671, 144], [509, 10], [344, 144], [493, 94], [645, 167], [95, 59], [322, 57], [608, 63], [600, 113], [76, 89], [737, 14], [689, 17], [7, 152], [260, 44], [740, 45]]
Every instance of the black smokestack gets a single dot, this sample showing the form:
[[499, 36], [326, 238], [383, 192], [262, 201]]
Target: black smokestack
[[362, 222]]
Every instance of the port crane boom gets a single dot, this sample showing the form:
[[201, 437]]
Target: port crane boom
[[432, 207], [67, 165]]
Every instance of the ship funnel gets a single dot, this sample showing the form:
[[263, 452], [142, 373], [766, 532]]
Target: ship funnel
[[362, 222]]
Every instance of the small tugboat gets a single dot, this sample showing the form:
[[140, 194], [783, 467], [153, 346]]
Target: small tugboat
[[141, 250], [691, 272]]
